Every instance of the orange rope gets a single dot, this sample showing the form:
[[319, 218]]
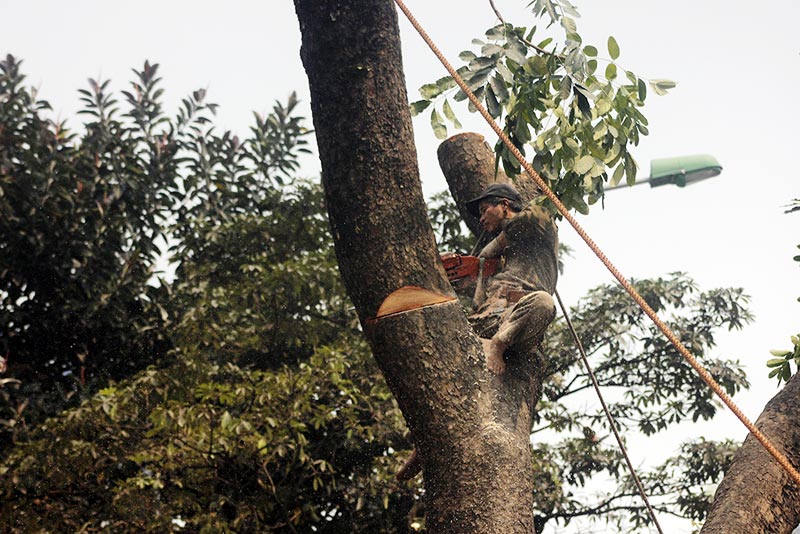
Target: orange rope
[[704, 374]]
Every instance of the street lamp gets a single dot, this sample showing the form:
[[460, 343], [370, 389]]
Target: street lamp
[[680, 171]]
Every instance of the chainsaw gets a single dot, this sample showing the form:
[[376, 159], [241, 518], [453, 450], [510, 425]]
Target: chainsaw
[[463, 270]]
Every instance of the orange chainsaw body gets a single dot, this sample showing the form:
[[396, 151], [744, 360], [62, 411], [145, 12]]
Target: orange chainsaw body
[[462, 270]]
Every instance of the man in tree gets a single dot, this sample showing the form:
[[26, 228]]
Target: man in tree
[[515, 307], [512, 310]]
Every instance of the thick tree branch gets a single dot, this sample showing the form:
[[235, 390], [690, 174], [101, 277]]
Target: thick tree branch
[[471, 428], [757, 496]]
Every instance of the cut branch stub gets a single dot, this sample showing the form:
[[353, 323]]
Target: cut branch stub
[[468, 164], [409, 298]]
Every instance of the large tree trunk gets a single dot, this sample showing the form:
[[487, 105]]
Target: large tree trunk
[[757, 496], [471, 428]]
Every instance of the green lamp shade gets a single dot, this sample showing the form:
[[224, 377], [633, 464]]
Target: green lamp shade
[[683, 170]]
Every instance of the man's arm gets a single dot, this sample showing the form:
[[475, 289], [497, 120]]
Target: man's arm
[[495, 247]]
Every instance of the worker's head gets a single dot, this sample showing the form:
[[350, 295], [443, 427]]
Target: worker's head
[[496, 203]]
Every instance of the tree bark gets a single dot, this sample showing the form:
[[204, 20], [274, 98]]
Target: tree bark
[[471, 428], [757, 496]]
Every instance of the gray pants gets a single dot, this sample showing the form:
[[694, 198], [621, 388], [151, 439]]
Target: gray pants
[[519, 325]]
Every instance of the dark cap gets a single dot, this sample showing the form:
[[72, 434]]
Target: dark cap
[[494, 190]]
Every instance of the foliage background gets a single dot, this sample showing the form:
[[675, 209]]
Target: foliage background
[[714, 110], [265, 410]]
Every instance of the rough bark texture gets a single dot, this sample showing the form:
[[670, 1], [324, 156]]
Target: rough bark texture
[[757, 496], [471, 428]]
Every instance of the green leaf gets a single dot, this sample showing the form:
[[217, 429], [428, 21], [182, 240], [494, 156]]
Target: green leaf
[[516, 51], [481, 63], [612, 154], [599, 131], [613, 47], [505, 73], [225, 422], [492, 49], [497, 32], [566, 87], [611, 71], [575, 64], [448, 112], [642, 89], [467, 56], [590, 51], [661, 86], [439, 129], [478, 95], [445, 83], [779, 353], [618, 172], [536, 65], [419, 106], [584, 164], [550, 10], [582, 98], [630, 169], [580, 204], [569, 25], [775, 362], [499, 88], [476, 79], [545, 42], [430, 91], [522, 131], [569, 9], [588, 183], [492, 104], [572, 146]]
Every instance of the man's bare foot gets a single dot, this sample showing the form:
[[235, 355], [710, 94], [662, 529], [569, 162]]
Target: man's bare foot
[[410, 469], [494, 349]]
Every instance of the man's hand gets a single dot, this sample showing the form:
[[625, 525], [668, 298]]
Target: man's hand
[[495, 247]]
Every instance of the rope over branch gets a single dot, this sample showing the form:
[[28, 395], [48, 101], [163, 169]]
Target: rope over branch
[[668, 333]]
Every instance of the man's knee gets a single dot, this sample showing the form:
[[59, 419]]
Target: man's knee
[[541, 306]]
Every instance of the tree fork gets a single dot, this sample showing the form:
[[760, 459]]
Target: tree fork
[[472, 429]]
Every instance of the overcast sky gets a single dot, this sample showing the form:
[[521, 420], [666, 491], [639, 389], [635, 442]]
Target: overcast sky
[[737, 65]]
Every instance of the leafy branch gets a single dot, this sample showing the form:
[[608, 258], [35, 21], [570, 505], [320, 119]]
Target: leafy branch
[[552, 99]]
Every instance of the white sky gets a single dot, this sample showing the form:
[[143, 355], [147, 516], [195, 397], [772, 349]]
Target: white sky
[[737, 68]]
